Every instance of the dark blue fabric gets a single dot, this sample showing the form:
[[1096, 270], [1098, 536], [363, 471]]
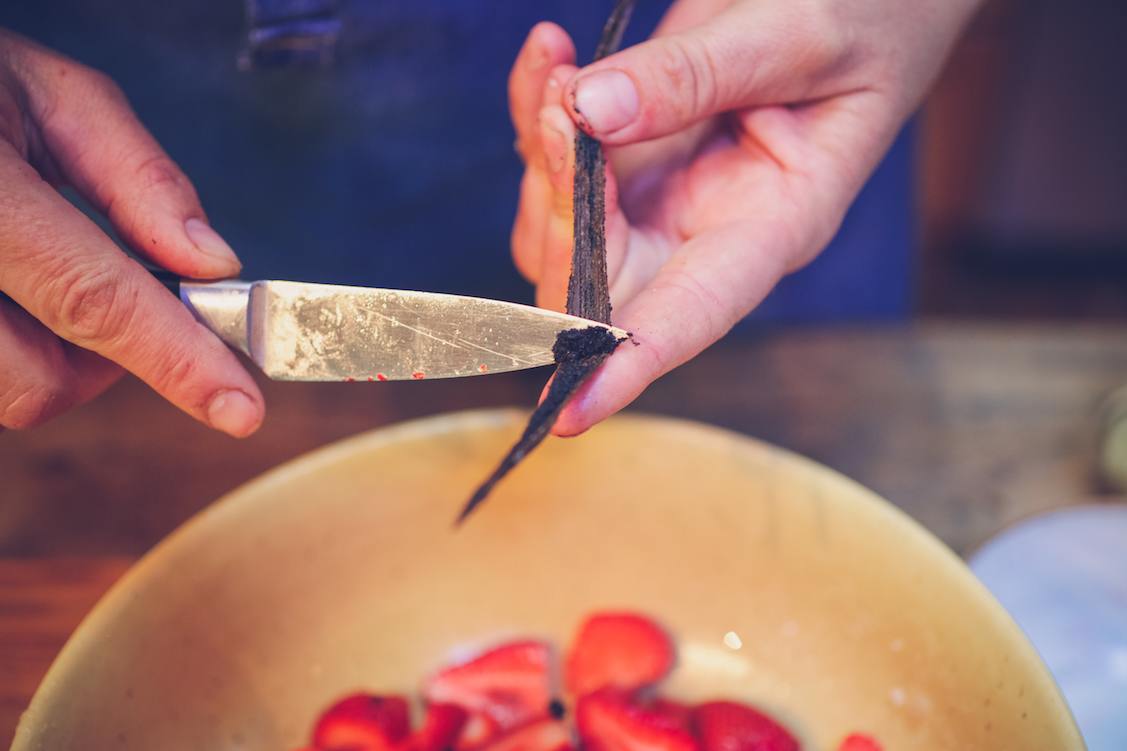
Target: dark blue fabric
[[865, 273], [395, 166]]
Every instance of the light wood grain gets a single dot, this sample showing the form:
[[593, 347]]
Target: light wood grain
[[41, 602], [966, 427]]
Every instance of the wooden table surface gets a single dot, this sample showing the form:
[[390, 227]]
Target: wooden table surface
[[967, 428]]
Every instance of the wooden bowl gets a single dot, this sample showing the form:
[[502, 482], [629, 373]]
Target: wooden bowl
[[784, 584]]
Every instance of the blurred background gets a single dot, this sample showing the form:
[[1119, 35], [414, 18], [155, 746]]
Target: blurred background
[[364, 142], [959, 348], [1023, 167], [369, 143]]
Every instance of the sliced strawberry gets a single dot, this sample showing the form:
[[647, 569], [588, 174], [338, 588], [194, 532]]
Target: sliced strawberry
[[508, 684], [363, 722], [859, 742], [542, 735], [730, 726], [610, 721], [440, 729], [479, 729], [675, 711], [623, 651]]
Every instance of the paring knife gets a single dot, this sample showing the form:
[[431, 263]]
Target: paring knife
[[296, 331]]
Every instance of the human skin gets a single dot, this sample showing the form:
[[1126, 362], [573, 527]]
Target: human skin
[[83, 310], [736, 139]]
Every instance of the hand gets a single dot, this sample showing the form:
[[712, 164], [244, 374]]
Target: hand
[[736, 139], [85, 309]]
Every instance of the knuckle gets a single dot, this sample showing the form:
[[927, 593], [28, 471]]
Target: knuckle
[[99, 83], [94, 305], [821, 35], [29, 405], [702, 301], [659, 361], [150, 173], [156, 171], [173, 369], [689, 69]]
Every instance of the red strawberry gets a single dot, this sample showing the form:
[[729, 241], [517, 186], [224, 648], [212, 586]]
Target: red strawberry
[[479, 729], [610, 721], [542, 735], [729, 726], [678, 713], [624, 651], [363, 722], [509, 684], [859, 742], [439, 731]]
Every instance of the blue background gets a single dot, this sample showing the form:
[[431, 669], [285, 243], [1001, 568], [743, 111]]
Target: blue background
[[394, 166]]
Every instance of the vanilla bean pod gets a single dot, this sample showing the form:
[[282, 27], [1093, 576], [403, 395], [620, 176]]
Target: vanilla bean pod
[[578, 352]]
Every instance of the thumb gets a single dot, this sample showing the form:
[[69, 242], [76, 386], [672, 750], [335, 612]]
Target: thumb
[[752, 54]]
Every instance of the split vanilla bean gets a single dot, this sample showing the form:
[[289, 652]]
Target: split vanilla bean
[[578, 352]]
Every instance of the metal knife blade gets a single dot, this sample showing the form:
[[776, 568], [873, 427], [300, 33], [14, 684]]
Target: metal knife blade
[[296, 331]]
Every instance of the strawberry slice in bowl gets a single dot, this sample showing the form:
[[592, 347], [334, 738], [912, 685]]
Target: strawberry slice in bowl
[[478, 731], [440, 729], [363, 722], [541, 735], [507, 687], [501, 699], [859, 742], [608, 720], [731, 726], [619, 650], [675, 712]]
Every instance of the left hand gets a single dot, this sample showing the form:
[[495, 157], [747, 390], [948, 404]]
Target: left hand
[[81, 310]]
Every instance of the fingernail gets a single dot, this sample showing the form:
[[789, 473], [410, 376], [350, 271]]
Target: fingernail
[[234, 413], [606, 100], [553, 140], [210, 243]]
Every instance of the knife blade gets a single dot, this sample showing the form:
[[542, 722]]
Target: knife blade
[[297, 331]]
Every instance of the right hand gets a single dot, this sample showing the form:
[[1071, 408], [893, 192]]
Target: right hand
[[736, 139], [84, 310]]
